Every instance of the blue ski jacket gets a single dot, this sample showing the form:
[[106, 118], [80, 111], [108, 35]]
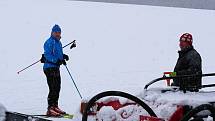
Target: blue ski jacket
[[53, 52]]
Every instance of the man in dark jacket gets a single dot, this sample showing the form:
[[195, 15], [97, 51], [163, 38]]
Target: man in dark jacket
[[53, 57], [189, 63]]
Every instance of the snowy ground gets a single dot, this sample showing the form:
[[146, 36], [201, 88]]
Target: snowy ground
[[120, 47]]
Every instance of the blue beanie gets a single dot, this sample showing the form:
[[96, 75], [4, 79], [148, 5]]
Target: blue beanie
[[56, 28]]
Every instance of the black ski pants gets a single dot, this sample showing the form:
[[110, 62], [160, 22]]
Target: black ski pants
[[54, 83]]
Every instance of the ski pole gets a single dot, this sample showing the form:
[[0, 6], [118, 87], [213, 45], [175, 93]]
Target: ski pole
[[69, 44], [73, 42], [28, 66], [73, 81]]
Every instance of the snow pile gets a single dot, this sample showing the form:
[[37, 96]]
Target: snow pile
[[2, 112], [107, 114], [127, 113], [177, 97], [164, 104]]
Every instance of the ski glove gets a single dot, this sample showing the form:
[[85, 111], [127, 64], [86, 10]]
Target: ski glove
[[63, 62], [172, 74], [66, 57], [43, 59]]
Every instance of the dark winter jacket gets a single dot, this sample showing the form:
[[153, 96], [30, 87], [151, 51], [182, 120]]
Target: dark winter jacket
[[189, 63], [53, 52]]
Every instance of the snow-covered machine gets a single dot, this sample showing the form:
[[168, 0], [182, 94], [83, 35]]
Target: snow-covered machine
[[154, 104]]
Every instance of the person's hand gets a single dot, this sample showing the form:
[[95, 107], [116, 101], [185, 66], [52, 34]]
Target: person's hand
[[173, 74], [66, 57], [43, 59], [63, 62]]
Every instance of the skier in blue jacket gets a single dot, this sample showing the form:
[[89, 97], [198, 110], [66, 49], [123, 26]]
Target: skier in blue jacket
[[53, 58]]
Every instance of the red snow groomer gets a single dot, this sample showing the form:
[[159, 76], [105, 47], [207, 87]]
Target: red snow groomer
[[155, 104]]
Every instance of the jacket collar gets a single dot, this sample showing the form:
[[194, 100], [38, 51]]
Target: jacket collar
[[182, 52]]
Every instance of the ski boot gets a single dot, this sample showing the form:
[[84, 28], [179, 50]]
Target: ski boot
[[52, 113], [58, 110]]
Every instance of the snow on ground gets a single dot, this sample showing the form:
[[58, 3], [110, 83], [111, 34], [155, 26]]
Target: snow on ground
[[119, 47]]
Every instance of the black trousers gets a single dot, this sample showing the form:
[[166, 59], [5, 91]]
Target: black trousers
[[54, 83]]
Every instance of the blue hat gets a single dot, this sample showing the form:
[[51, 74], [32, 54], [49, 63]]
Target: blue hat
[[56, 28]]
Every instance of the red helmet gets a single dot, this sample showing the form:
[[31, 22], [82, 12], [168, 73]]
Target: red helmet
[[187, 37]]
